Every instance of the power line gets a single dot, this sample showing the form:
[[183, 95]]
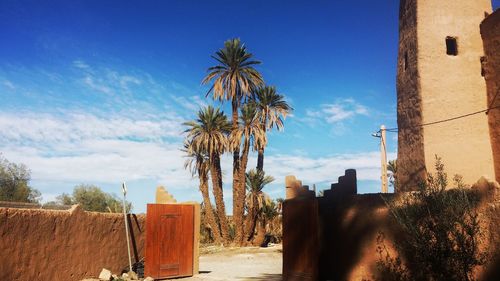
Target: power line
[[493, 101], [395, 130]]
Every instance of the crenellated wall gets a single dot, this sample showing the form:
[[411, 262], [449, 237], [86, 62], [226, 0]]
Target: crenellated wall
[[338, 236], [65, 245]]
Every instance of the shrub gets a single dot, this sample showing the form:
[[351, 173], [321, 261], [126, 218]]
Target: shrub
[[441, 232]]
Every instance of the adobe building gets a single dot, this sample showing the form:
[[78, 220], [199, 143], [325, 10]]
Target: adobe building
[[440, 77]]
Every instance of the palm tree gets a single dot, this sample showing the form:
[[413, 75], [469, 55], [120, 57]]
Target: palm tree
[[250, 131], [234, 77], [198, 164], [392, 167], [209, 134], [255, 199], [272, 107], [279, 205], [268, 214]]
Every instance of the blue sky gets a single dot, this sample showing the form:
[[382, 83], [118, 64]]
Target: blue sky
[[96, 91]]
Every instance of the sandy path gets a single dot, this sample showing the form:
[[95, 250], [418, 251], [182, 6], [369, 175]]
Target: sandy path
[[218, 264], [239, 264]]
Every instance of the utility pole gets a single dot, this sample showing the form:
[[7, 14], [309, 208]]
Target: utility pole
[[383, 156], [124, 190]]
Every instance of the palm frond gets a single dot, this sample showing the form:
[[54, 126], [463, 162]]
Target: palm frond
[[236, 69]]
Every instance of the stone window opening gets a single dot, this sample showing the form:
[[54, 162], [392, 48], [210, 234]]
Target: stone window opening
[[483, 62], [451, 46]]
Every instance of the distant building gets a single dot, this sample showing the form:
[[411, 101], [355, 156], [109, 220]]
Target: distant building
[[439, 77]]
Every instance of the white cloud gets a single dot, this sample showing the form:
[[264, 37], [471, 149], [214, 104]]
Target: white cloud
[[80, 64], [97, 85], [72, 127], [341, 110], [87, 148], [324, 169], [193, 103], [9, 84], [107, 161], [133, 133], [334, 114], [122, 80], [133, 89], [108, 81]]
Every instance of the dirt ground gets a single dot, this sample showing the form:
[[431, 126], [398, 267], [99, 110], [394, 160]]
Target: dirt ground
[[249, 263], [239, 264]]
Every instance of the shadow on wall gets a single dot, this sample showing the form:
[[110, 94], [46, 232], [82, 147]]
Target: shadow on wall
[[134, 226], [494, 272], [349, 228], [449, 234], [338, 236], [411, 178], [300, 239]]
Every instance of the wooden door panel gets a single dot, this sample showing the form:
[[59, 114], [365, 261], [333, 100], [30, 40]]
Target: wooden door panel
[[170, 240], [168, 248]]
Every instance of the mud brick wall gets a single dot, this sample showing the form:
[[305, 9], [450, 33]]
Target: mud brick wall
[[490, 32], [65, 245]]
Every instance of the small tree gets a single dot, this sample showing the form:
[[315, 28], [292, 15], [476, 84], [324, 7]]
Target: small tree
[[392, 169], [255, 200], [271, 220], [441, 232], [14, 183], [93, 199]]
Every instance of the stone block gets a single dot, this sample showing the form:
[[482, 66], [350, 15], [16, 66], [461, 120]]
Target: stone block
[[105, 275], [132, 275]]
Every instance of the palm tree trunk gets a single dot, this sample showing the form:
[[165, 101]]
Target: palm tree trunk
[[252, 219], [260, 234], [216, 173], [209, 212], [238, 199], [241, 190], [260, 160], [260, 157]]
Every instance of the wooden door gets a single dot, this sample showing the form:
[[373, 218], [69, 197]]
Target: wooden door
[[169, 240]]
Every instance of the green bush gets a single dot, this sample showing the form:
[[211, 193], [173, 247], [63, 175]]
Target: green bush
[[441, 232], [14, 183], [92, 198]]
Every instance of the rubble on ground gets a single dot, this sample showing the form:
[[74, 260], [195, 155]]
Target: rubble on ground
[[106, 275]]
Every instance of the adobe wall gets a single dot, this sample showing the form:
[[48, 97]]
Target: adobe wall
[[64, 245], [490, 32], [338, 236], [411, 157]]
